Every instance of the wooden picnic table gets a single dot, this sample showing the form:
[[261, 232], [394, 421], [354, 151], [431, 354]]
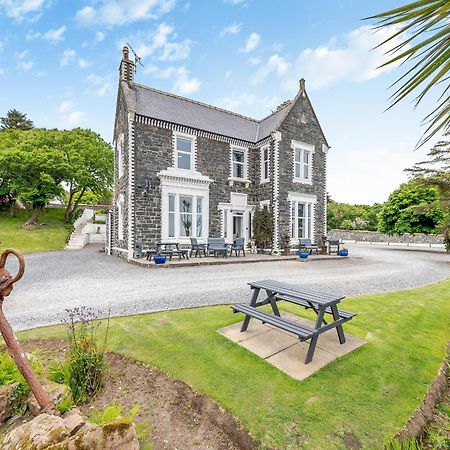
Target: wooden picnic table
[[321, 303]]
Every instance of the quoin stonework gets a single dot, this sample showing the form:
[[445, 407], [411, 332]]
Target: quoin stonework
[[187, 169]]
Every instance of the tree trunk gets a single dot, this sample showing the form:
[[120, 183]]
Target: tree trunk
[[34, 215], [69, 209]]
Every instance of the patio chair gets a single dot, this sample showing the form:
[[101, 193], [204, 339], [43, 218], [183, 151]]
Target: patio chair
[[306, 244], [151, 251], [138, 250], [217, 246], [196, 247], [333, 245], [238, 246]]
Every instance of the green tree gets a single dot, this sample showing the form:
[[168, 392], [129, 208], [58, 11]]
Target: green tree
[[424, 51], [412, 208], [35, 164], [435, 172], [91, 162], [15, 119], [351, 217]]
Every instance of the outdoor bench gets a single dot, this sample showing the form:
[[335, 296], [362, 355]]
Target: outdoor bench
[[306, 305], [301, 331], [320, 302]]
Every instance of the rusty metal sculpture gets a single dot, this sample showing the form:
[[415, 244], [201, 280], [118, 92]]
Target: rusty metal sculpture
[[15, 349]]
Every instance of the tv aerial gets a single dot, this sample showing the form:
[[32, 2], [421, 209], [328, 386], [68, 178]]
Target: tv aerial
[[137, 59]]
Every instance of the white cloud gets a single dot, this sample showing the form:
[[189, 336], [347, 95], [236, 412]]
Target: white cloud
[[228, 74], [100, 36], [2, 71], [183, 83], [21, 9], [68, 56], [74, 119], [254, 61], [161, 44], [65, 106], [251, 43], [83, 64], [175, 51], [233, 28], [21, 55], [25, 65], [70, 117], [31, 36], [102, 84], [366, 166], [114, 12], [349, 58], [275, 64], [54, 35], [249, 104]]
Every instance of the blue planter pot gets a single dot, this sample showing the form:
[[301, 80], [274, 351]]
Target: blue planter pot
[[303, 255], [159, 259], [343, 253]]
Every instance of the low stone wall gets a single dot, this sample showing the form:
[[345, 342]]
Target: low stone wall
[[374, 236]]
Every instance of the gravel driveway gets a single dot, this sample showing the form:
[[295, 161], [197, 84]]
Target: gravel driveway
[[57, 281]]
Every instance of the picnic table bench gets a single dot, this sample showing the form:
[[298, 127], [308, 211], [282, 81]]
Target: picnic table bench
[[321, 303]]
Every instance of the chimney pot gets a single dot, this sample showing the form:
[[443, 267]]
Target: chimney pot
[[302, 84], [125, 52]]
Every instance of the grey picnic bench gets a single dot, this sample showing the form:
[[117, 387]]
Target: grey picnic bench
[[321, 303]]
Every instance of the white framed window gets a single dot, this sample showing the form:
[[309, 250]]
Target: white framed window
[[119, 148], [239, 163], [265, 204], [184, 151], [303, 161], [302, 216], [264, 164], [185, 216], [120, 212]]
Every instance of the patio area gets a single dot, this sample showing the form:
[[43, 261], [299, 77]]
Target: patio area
[[284, 351], [214, 261]]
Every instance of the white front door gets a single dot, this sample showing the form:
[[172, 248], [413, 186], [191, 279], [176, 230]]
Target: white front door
[[237, 227]]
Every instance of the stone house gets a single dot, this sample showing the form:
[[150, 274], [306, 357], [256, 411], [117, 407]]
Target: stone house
[[187, 169]]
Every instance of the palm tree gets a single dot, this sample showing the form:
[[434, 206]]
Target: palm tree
[[424, 30]]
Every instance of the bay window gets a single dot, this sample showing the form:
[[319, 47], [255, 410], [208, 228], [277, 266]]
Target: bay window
[[185, 216]]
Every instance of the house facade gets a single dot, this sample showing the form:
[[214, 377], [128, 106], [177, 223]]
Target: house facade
[[186, 169]]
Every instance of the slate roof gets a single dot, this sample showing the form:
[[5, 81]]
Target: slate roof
[[172, 108]]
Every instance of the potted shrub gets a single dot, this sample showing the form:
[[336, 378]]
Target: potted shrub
[[159, 259], [262, 228]]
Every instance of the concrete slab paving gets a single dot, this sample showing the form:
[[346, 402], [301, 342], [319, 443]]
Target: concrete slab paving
[[284, 351]]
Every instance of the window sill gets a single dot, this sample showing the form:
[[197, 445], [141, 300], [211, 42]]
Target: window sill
[[232, 181], [265, 181], [302, 181]]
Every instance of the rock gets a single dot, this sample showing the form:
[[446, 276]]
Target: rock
[[119, 434], [56, 392], [40, 433], [5, 401], [74, 421]]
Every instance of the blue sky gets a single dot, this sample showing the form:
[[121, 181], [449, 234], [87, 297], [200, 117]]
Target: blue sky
[[59, 64]]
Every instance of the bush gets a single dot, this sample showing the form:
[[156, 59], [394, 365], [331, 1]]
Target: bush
[[84, 367], [112, 412], [9, 374]]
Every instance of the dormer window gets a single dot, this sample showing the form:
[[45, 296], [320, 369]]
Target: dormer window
[[184, 151], [303, 156]]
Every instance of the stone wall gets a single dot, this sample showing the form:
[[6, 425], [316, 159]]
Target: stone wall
[[301, 124], [374, 236]]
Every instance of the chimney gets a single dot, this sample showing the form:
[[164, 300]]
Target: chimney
[[127, 67], [302, 85]]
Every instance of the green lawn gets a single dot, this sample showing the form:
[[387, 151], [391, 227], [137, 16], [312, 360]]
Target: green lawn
[[369, 393], [51, 234]]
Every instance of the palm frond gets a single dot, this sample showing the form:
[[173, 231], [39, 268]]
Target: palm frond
[[423, 28]]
